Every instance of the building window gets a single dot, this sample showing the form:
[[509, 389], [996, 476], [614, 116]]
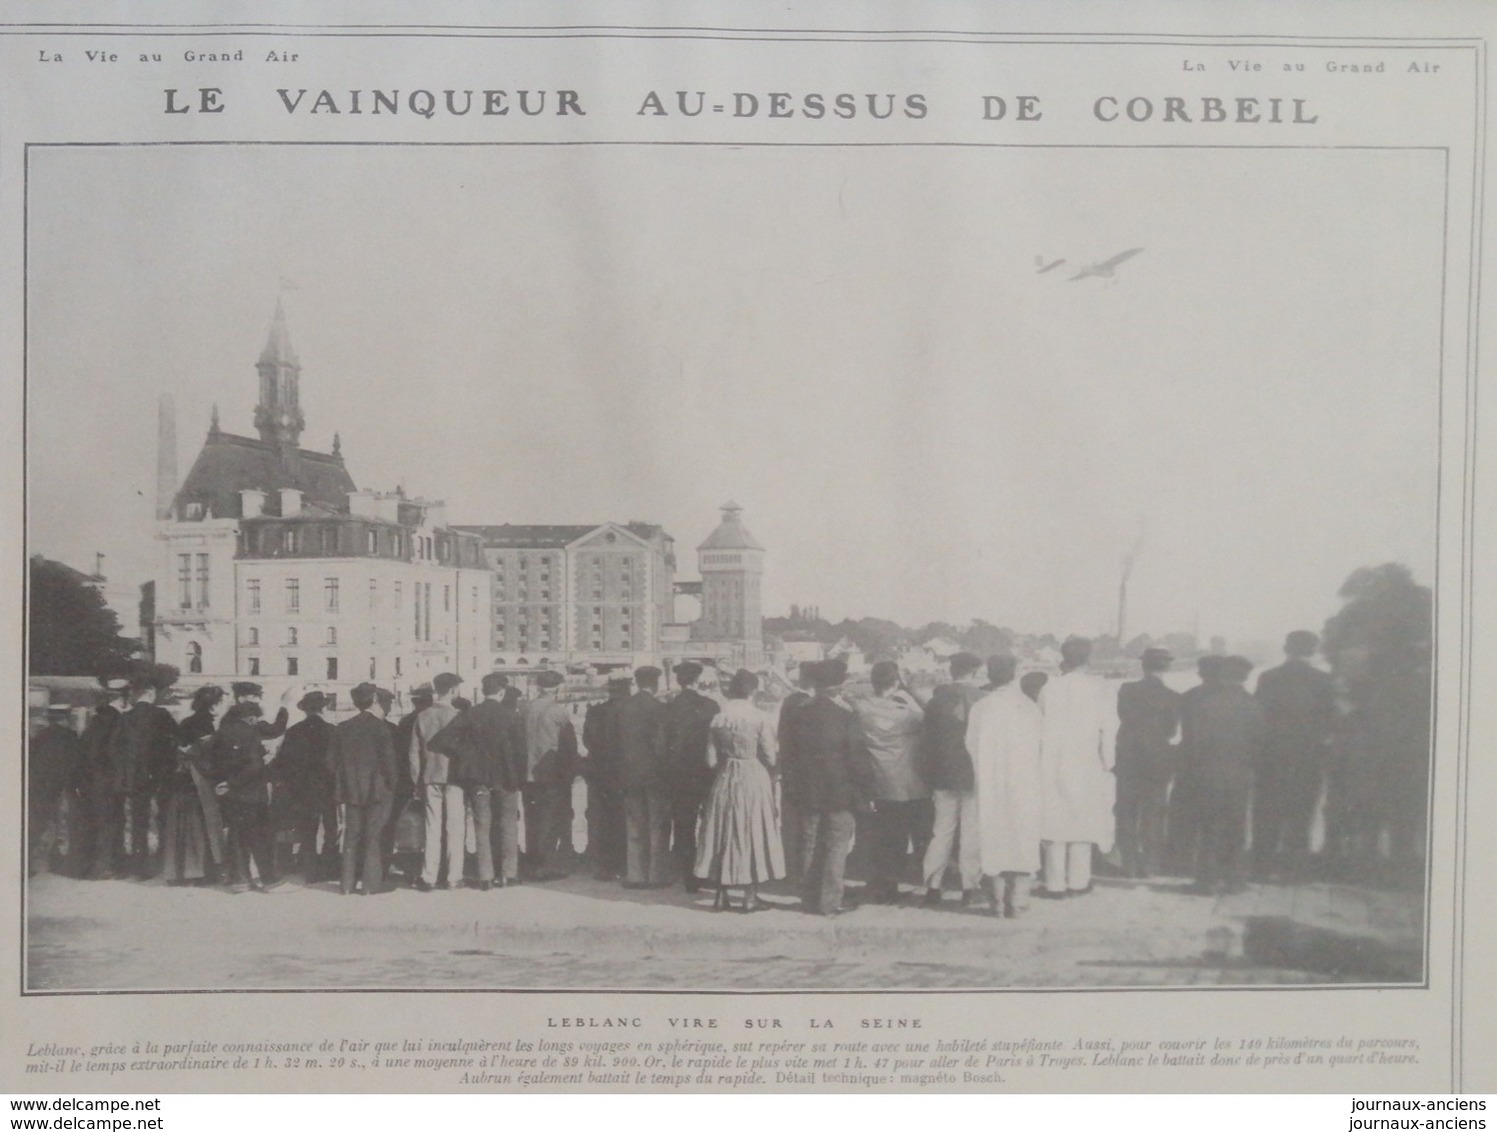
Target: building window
[[184, 581], [293, 667], [330, 594], [202, 581], [371, 540], [254, 665], [293, 595], [329, 540], [252, 590], [194, 511], [332, 634], [373, 594], [428, 612], [291, 635], [194, 657], [332, 668], [254, 637], [290, 540]]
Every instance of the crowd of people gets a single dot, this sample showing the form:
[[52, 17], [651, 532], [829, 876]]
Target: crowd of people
[[987, 787]]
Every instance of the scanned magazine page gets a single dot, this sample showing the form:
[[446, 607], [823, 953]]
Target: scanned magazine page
[[649, 548]]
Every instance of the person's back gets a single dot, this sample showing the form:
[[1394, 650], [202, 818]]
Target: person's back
[[1299, 706], [1223, 730], [835, 777], [641, 731]]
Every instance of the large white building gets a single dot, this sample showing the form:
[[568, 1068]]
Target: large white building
[[275, 566]]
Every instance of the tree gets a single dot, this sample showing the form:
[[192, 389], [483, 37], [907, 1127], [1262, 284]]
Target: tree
[[986, 639], [73, 633], [1380, 646]]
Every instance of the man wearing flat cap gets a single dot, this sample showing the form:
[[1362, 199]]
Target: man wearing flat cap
[[303, 786], [688, 723], [143, 757], [246, 691], [487, 757], [443, 798], [1299, 710], [1221, 740], [607, 837], [365, 768], [837, 780], [1148, 717], [550, 768], [646, 800]]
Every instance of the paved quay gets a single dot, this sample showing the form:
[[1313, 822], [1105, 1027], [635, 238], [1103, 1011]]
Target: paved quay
[[584, 934]]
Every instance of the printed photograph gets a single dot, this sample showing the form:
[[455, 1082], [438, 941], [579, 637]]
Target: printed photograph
[[730, 569]]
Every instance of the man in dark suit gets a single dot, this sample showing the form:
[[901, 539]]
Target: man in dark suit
[[837, 779], [364, 766], [607, 838], [487, 758], [1221, 740], [242, 775], [101, 842], [1299, 710], [1183, 829], [304, 789], [1148, 716], [793, 816], [246, 691], [646, 802], [688, 721], [143, 757], [53, 756], [948, 773]]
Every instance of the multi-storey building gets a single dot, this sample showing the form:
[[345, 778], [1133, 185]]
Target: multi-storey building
[[276, 565], [578, 594]]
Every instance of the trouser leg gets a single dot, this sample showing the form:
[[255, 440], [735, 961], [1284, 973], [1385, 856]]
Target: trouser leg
[[1078, 865], [835, 835], [968, 846], [793, 821], [943, 836], [376, 817], [636, 816], [431, 853], [504, 834], [685, 809], [659, 868], [356, 831], [480, 800], [453, 813]]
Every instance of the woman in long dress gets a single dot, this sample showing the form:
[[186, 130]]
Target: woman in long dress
[[191, 838], [738, 845]]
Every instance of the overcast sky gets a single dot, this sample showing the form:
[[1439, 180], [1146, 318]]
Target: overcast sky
[[853, 343]]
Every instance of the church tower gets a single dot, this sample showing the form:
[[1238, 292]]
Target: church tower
[[731, 563], [278, 416]]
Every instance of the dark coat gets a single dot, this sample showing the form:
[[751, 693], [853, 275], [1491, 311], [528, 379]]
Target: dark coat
[[603, 767], [834, 771], [98, 737], [1148, 714], [301, 765], [52, 768], [239, 760], [946, 763], [272, 729], [1221, 735], [688, 727], [790, 764], [1299, 710], [642, 742], [485, 746], [143, 749], [363, 760]]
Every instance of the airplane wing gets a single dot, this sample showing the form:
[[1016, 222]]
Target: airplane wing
[[1119, 258], [1050, 267]]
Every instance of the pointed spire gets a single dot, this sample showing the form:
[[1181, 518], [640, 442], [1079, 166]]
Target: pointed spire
[[278, 342], [278, 416], [213, 421], [337, 446]]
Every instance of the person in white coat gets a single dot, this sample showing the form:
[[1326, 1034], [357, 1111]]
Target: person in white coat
[[1077, 786], [1003, 738]]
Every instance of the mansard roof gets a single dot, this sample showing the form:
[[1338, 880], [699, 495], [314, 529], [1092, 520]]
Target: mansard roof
[[229, 464]]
